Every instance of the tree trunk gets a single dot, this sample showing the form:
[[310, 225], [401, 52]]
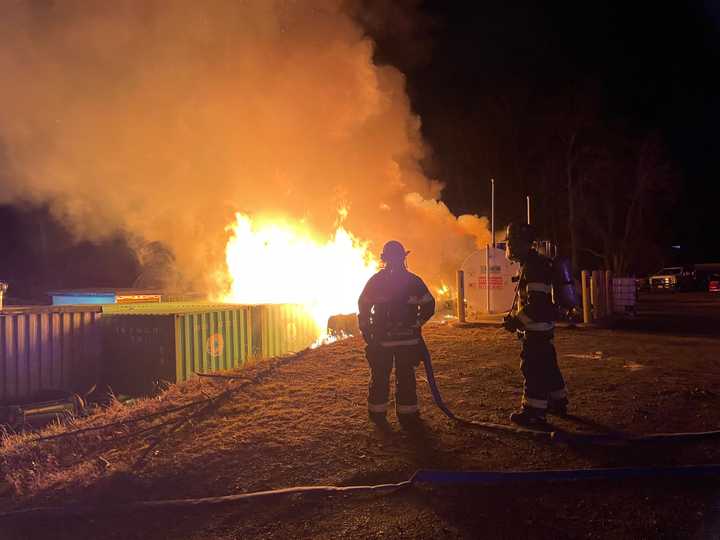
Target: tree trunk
[[571, 205]]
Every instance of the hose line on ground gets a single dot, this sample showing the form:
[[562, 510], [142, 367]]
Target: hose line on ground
[[423, 477], [559, 435]]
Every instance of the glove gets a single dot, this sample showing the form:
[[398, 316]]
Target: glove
[[511, 323]]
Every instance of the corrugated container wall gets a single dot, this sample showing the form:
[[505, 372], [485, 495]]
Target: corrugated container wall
[[286, 328], [147, 343], [48, 348]]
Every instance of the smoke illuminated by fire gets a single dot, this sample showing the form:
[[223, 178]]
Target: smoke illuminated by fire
[[161, 119], [275, 261]]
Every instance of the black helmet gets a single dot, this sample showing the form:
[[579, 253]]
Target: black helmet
[[521, 231], [393, 252]]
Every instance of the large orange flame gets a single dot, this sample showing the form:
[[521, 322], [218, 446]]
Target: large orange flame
[[278, 262]]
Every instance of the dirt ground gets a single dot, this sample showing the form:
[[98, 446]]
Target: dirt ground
[[305, 423]]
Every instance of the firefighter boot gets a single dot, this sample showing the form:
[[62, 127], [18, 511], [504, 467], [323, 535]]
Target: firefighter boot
[[529, 417], [380, 421], [411, 423], [558, 407]]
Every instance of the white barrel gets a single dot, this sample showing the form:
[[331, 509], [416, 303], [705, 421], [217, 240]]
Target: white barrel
[[624, 295]]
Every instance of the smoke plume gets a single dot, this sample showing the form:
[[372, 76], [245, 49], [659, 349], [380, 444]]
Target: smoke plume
[[162, 119]]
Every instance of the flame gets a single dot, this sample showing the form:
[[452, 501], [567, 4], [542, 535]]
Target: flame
[[443, 289], [278, 262]]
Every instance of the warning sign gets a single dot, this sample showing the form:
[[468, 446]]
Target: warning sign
[[496, 282]]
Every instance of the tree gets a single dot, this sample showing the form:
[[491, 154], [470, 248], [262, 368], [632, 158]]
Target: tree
[[622, 197], [610, 187]]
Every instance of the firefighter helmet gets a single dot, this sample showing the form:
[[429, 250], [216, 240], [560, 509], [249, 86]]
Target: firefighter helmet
[[521, 231], [519, 241], [393, 253]]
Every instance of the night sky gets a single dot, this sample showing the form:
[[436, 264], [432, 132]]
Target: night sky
[[478, 77], [652, 67]]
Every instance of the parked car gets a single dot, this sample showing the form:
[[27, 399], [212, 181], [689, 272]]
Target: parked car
[[714, 283], [642, 283], [674, 278]]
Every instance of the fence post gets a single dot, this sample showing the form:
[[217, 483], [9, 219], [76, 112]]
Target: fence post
[[600, 282], [608, 294], [461, 296], [585, 296], [594, 294]]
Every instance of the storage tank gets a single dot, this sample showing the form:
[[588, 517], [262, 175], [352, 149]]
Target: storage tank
[[488, 282]]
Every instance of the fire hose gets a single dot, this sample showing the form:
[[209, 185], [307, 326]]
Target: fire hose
[[425, 477], [422, 477], [558, 435]]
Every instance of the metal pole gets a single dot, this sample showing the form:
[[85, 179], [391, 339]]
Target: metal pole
[[492, 210], [528, 209], [487, 276], [461, 296], [585, 296]]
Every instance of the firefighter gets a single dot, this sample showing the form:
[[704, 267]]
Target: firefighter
[[392, 308], [533, 320]]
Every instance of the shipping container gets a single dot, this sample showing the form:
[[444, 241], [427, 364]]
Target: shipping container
[[48, 348], [285, 328], [148, 343], [104, 295]]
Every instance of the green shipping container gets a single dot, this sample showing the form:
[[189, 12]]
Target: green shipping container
[[285, 328], [147, 343]]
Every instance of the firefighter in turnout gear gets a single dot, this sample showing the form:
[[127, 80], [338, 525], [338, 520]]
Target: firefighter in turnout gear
[[533, 319], [392, 309]]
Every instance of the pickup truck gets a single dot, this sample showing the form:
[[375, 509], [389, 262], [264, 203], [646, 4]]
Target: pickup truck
[[674, 278]]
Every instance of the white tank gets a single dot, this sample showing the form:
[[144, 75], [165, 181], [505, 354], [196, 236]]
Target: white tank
[[501, 287]]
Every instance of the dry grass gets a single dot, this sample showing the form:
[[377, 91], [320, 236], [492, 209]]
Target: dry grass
[[306, 423], [76, 453]]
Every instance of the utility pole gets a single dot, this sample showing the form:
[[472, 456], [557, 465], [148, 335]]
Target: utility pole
[[528, 209]]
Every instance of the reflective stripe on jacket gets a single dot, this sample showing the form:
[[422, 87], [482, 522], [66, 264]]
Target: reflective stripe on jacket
[[536, 310], [393, 306]]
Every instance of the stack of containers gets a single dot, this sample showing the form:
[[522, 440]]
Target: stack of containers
[[145, 344]]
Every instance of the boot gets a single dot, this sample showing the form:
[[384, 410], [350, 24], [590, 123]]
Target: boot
[[411, 422], [529, 417], [558, 407]]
